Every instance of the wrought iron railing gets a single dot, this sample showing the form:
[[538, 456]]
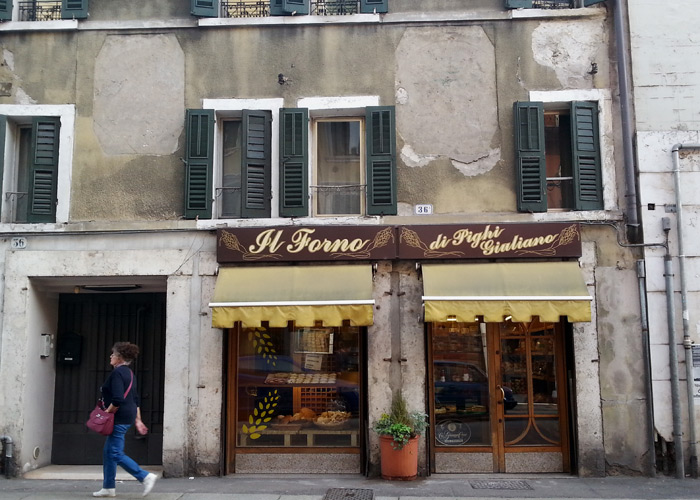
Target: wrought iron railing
[[40, 10], [261, 8]]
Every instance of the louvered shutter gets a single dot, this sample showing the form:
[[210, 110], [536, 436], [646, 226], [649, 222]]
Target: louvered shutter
[[371, 6], [3, 135], [528, 122], [381, 160], [199, 159], [256, 166], [5, 10], [289, 7], [294, 162], [586, 159], [204, 8], [518, 4], [43, 176], [74, 9]]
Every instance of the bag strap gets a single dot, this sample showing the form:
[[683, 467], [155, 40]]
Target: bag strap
[[130, 384]]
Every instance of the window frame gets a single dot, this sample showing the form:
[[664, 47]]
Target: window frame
[[24, 114], [603, 100], [232, 109], [314, 164]]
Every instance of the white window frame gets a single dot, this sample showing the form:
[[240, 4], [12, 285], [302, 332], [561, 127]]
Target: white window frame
[[21, 113], [605, 129], [335, 107], [232, 109]]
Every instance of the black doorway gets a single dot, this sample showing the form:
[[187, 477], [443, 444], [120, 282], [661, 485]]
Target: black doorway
[[88, 326]]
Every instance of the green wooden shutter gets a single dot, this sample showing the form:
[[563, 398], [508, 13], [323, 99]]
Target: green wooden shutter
[[204, 8], [586, 3], [371, 6], [43, 176], [256, 167], [528, 123], [199, 160], [518, 4], [5, 10], [74, 9], [586, 160], [289, 7], [294, 162], [381, 160], [3, 135]]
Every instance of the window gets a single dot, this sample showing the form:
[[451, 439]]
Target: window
[[264, 8], [243, 181], [549, 4], [235, 166], [558, 156], [43, 10], [29, 175], [354, 169], [339, 180]]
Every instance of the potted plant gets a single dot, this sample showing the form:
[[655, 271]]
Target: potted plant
[[398, 439]]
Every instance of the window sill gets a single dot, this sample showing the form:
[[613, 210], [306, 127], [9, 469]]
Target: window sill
[[62, 25]]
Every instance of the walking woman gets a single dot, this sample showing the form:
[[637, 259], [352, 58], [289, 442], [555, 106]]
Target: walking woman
[[121, 398]]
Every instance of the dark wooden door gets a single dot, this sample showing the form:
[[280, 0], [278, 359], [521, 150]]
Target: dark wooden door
[[88, 326]]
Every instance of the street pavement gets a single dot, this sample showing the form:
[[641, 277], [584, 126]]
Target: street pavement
[[351, 487]]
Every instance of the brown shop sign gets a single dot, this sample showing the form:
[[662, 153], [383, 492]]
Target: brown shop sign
[[358, 243]]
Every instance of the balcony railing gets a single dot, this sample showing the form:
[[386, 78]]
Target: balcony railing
[[40, 10], [261, 8]]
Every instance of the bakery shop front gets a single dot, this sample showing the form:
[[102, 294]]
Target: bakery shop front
[[298, 304]]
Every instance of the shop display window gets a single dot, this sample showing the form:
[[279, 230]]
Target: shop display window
[[461, 384], [298, 387]]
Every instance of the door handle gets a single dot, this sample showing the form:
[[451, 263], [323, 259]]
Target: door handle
[[503, 395]]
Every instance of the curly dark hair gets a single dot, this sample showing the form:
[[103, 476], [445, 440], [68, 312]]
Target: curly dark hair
[[126, 350]]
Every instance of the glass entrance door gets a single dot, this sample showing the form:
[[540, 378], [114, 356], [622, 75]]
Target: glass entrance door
[[498, 397]]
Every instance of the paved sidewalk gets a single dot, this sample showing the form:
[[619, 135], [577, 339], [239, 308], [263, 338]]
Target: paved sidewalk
[[351, 487]]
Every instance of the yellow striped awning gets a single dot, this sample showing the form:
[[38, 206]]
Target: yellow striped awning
[[461, 292], [303, 294]]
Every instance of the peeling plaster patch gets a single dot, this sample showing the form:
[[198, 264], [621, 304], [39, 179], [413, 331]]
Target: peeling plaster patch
[[8, 59], [21, 97], [413, 159], [139, 94], [479, 165], [432, 64], [569, 49]]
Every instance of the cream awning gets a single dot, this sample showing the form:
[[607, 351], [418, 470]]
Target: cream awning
[[521, 290], [303, 294]]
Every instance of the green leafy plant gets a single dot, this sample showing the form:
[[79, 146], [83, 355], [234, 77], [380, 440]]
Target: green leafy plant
[[400, 423]]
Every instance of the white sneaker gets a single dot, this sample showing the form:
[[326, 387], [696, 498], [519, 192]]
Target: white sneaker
[[106, 492], [148, 483]]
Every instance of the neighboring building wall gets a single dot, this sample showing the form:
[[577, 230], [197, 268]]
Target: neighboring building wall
[[667, 103]]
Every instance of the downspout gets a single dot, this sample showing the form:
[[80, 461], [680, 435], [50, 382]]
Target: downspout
[[673, 356], [8, 455], [646, 353], [622, 49], [687, 342]]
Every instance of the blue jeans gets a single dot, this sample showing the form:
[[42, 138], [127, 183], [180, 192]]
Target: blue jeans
[[113, 455]]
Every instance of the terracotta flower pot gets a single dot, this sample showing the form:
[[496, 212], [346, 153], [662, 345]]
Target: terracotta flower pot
[[399, 464]]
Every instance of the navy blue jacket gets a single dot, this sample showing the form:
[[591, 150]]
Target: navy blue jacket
[[113, 393]]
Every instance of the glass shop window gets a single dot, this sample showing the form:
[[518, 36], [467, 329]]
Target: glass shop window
[[299, 387]]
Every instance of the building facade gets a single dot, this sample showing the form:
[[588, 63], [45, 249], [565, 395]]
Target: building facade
[[298, 209]]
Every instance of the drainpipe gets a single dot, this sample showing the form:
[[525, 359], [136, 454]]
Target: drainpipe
[[673, 356], [646, 354], [622, 49], [8, 455], [687, 342]]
